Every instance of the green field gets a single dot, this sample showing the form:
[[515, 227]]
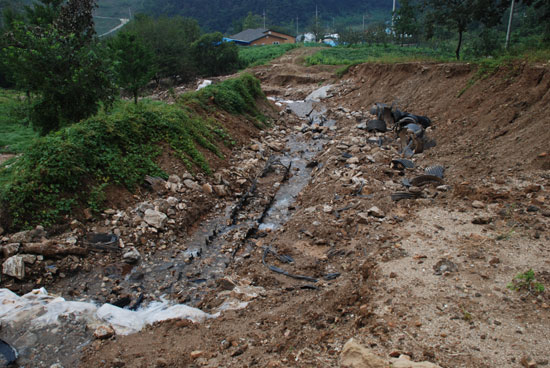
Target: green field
[[259, 55], [16, 136], [344, 55]]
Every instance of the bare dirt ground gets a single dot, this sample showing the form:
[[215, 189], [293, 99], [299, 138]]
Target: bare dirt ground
[[425, 277]]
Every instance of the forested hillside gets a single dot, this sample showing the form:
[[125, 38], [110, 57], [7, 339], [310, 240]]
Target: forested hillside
[[219, 15]]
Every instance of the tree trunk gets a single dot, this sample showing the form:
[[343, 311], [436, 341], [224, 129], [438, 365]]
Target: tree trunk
[[136, 97], [459, 44]]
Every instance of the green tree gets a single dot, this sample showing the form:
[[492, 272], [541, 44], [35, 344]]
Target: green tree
[[316, 27], [458, 15], [43, 13], [252, 21], [213, 56], [68, 74], [542, 8], [134, 62], [406, 20], [170, 39]]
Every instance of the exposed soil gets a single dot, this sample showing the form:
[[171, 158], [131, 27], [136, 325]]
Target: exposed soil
[[425, 277]]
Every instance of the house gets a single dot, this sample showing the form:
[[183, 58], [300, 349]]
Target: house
[[261, 36]]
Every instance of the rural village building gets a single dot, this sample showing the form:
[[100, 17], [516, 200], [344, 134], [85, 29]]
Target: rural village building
[[262, 36]]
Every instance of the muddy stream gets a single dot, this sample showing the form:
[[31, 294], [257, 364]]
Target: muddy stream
[[47, 330]]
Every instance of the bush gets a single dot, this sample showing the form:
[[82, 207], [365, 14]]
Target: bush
[[213, 56]]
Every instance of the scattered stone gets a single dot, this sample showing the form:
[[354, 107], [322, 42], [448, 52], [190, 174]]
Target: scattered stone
[[363, 218], [255, 147], [131, 256], [191, 184], [443, 188], [196, 354], [161, 363], [376, 212], [527, 362], [226, 283], [444, 266], [219, 190], [174, 179], [155, 218], [10, 249], [14, 267], [28, 258], [482, 220], [104, 332], [207, 188], [478, 204], [533, 209]]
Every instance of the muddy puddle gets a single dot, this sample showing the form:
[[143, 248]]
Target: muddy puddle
[[177, 277]]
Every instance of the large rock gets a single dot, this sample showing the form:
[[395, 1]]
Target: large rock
[[155, 218], [14, 267], [405, 362], [355, 355]]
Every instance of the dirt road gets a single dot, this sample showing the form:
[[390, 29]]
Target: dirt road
[[426, 277]]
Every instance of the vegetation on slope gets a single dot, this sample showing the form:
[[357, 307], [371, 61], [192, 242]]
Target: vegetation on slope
[[71, 167]]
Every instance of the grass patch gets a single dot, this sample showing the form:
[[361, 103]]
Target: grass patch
[[260, 55], [16, 135], [344, 55], [71, 167]]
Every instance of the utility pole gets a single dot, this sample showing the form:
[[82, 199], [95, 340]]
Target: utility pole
[[316, 23], [509, 31], [393, 15], [264, 18], [297, 27]]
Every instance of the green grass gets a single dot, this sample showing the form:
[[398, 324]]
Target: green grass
[[16, 136], [344, 55], [260, 55], [71, 167]]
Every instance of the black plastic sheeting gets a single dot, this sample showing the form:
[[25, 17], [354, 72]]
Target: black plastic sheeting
[[8, 354], [377, 126], [401, 163], [397, 196], [435, 171], [288, 259]]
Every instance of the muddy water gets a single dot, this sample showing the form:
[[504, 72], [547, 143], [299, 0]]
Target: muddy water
[[183, 276]]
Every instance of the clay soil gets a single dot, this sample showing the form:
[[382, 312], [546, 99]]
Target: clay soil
[[393, 293]]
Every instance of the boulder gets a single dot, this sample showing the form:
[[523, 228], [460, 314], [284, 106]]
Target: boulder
[[355, 355], [155, 218], [14, 267], [405, 362]]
